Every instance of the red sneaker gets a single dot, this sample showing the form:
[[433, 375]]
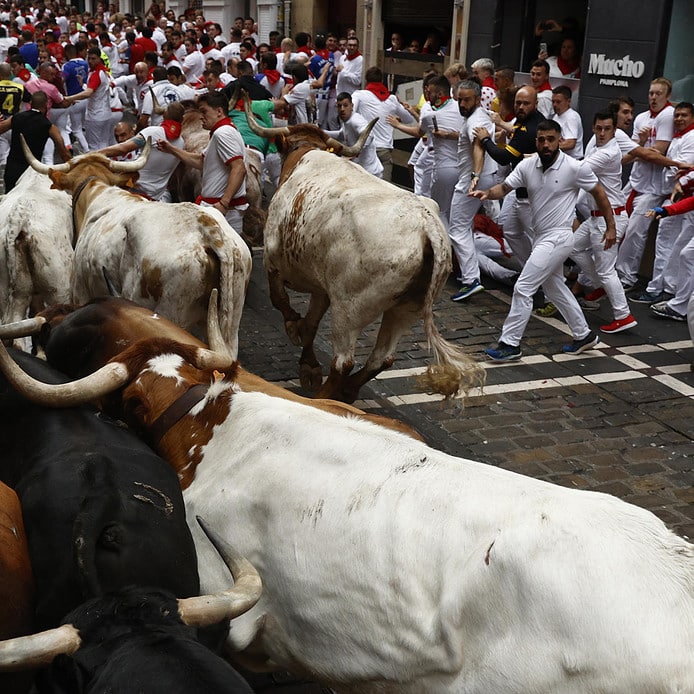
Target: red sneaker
[[619, 324], [596, 295]]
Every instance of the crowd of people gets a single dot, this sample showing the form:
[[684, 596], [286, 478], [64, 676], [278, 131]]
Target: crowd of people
[[109, 82]]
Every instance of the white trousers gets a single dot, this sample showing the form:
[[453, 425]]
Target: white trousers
[[443, 181], [685, 270], [460, 226], [544, 268], [631, 250], [597, 264], [517, 222], [669, 229]]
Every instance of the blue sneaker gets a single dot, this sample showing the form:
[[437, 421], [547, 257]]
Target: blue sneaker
[[646, 297], [578, 346], [467, 290], [504, 352]]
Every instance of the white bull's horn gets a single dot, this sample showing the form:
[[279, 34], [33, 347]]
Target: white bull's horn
[[158, 108], [22, 328], [102, 382], [40, 166], [256, 127], [137, 164], [356, 148], [38, 650], [212, 609]]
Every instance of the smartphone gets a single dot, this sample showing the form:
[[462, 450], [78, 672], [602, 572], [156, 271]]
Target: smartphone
[[543, 47], [433, 120]]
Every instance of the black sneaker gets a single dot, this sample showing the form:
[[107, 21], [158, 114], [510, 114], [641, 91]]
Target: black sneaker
[[578, 346], [504, 352]]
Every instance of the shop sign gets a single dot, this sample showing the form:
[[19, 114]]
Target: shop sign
[[614, 71]]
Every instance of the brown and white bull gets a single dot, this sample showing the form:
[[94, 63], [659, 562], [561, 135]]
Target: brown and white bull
[[36, 253], [389, 566], [167, 257], [362, 247]]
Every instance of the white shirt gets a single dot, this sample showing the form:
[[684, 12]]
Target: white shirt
[[680, 149], [544, 103], [624, 142], [571, 129], [297, 98], [479, 118], [349, 78], [606, 163], [226, 144], [193, 66], [166, 93], [646, 177], [154, 175], [368, 105], [447, 117], [349, 134], [552, 193]]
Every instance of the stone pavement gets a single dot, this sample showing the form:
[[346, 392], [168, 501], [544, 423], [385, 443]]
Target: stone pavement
[[618, 419]]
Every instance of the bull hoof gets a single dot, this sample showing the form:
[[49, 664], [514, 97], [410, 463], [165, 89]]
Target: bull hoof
[[311, 377], [292, 328]]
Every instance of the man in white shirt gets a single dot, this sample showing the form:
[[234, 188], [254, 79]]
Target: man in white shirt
[[539, 78], [193, 63], [553, 182], [154, 176], [442, 126], [570, 121], [594, 250], [476, 167], [375, 101], [353, 125], [298, 95], [164, 92], [349, 68], [652, 128]]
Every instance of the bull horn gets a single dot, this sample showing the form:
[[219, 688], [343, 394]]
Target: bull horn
[[356, 148], [137, 164], [38, 650], [212, 609], [258, 129], [102, 382], [22, 328], [40, 166], [158, 109]]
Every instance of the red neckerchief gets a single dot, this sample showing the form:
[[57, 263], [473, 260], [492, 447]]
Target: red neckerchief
[[273, 76], [207, 49], [172, 129], [655, 113], [220, 123], [24, 75], [438, 105], [352, 57], [689, 128], [171, 59], [489, 82], [378, 89], [323, 53], [544, 87], [568, 68], [304, 49]]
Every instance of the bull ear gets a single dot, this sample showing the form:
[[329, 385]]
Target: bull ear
[[56, 177], [130, 183]]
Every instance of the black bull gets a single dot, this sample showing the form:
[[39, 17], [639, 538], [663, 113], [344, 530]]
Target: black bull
[[101, 510]]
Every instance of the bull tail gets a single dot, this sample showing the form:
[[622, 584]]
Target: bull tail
[[235, 261], [453, 371]]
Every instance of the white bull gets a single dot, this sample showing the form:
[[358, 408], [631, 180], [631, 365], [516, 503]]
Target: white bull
[[36, 255], [167, 257], [390, 567], [362, 247]]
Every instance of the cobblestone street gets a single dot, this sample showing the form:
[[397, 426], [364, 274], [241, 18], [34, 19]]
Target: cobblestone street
[[617, 419]]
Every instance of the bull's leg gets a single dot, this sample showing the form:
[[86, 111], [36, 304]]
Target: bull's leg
[[310, 372], [280, 300], [396, 321], [344, 339]]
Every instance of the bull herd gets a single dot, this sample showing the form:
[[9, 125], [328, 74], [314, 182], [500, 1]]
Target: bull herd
[[180, 514]]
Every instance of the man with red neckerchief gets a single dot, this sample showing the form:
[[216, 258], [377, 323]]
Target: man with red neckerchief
[[222, 161], [349, 68], [539, 78], [154, 175], [652, 128], [375, 101], [442, 125]]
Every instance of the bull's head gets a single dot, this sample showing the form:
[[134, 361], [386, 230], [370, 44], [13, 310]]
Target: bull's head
[[27, 652], [306, 135], [71, 174]]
